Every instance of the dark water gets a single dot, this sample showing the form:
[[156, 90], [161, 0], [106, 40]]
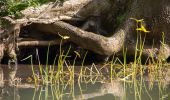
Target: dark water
[[97, 91], [115, 90]]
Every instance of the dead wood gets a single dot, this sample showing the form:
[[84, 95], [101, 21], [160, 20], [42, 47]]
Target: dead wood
[[26, 43], [67, 20]]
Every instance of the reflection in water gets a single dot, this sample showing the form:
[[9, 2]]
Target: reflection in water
[[114, 88], [9, 93], [7, 90], [97, 91]]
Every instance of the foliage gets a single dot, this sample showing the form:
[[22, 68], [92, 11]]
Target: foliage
[[13, 7]]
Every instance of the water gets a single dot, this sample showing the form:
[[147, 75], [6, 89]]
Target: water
[[115, 90], [97, 91]]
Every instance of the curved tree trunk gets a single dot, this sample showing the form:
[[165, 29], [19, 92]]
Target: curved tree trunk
[[89, 40], [67, 19]]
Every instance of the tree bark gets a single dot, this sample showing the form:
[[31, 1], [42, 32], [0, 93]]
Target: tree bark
[[67, 20]]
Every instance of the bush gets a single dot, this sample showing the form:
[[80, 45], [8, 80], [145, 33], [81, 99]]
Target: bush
[[13, 7]]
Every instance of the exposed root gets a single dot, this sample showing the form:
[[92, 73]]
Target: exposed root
[[39, 43], [68, 20], [2, 48]]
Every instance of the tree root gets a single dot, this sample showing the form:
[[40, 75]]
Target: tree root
[[2, 48], [39, 43], [57, 22]]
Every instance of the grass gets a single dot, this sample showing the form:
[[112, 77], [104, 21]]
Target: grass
[[66, 76], [13, 7]]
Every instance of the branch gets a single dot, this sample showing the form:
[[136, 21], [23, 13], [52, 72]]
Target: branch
[[25, 43], [88, 40]]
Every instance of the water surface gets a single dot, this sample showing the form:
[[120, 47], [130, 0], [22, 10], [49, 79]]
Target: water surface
[[108, 90]]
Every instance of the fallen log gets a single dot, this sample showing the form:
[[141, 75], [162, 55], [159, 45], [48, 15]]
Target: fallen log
[[73, 19]]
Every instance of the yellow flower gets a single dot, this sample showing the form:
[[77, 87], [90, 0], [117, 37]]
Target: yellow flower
[[142, 28], [64, 37]]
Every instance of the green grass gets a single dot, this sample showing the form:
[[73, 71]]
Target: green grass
[[62, 74], [13, 7]]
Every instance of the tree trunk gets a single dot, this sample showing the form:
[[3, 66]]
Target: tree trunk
[[74, 18]]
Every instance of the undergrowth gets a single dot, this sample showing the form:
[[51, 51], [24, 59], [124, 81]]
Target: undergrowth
[[62, 74], [13, 7]]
